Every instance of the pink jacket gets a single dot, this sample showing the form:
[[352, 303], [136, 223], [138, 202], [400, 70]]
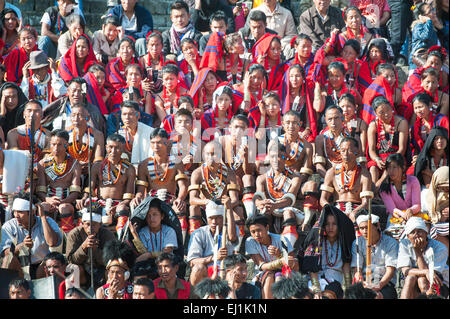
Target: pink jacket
[[412, 199]]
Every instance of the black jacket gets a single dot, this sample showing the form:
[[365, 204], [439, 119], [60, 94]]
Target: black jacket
[[200, 18]]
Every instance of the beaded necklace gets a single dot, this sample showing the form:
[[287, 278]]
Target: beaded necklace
[[326, 254], [213, 184], [105, 163], [381, 140], [161, 179]]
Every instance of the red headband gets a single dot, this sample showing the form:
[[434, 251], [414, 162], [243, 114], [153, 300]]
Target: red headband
[[438, 48]]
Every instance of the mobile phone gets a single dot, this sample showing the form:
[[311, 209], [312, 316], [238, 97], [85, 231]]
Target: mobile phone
[[149, 73], [155, 75]]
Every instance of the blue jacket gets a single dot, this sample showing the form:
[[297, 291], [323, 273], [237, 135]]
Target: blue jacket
[[423, 36], [143, 17]]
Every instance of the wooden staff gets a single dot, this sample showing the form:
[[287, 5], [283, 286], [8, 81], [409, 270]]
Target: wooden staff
[[369, 251], [224, 244], [91, 254], [32, 133]]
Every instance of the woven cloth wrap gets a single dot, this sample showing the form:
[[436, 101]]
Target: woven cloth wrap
[[15, 170]]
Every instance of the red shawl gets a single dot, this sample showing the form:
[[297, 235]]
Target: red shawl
[[307, 91], [114, 71], [184, 66], [198, 83], [68, 67], [94, 93], [309, 66], [14, 63], [117, 98], [362, 75], [209, 121], [254, 117], [379, 86], [433, 120], [331, 47], [213, 51], [276, 73], [238, 97], [414, 85]]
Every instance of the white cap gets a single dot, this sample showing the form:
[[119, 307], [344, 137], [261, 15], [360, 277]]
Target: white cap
[[365, 218], [87, 216], [21, 204], [212, 209], [415, 223]]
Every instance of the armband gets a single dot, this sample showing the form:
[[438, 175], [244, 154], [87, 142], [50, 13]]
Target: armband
[[276, 264], [128, 196], [195, 187], [98, 159], [41, 189], [319, 160], [139, 246], [326, 188], [347, 279], [180, 176], [315, 285], [232, 187], [361, 159], [368, 194], [289, 196], [75, 188], [259, 194], [305, 170], [142, 183]]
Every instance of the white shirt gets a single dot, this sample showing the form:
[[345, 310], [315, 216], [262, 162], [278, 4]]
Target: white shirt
[[59, 89], [129, 24], [384, 254], [157, 242], [13, 233]]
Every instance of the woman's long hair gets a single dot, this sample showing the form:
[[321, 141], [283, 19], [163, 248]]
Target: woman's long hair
[[400, 161]]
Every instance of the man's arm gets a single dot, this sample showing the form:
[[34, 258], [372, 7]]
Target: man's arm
[[52, 234], [194, 194], [11, 139], [142, 176], [182, 183], [74, 249], [327, 188], [286, 202], [234, 194], [100, 146], [366, 185], [196, 251], [131, 177], [390, 272], [41, 183], [320, 160], [45, 31], [307, 163], [76, 182], [384, 18]]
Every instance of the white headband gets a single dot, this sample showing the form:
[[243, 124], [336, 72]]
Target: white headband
[[365, 218], [415, 223], [21, 205], [87, 217], [212, 209]]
